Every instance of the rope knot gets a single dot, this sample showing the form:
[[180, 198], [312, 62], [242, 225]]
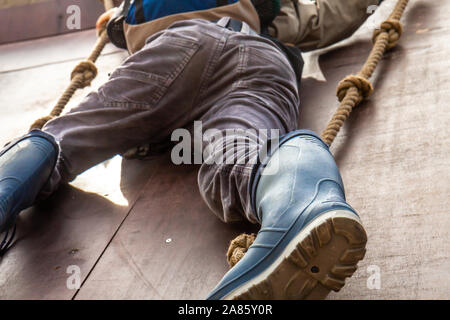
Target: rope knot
[[238, 247], [363, 86], [86, 70], [393, 28]]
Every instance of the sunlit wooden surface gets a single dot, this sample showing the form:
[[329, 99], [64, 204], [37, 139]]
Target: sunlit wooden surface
[[139, 229]]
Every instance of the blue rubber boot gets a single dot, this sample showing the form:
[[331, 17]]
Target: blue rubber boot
[[310, 238], [25, 167]]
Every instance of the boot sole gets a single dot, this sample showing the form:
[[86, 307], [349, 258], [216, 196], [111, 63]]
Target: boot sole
[[315, 262]]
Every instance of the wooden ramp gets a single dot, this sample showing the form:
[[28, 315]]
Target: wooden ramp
[[139, 229]]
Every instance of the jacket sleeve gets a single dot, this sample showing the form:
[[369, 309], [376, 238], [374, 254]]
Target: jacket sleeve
[[310, 24]]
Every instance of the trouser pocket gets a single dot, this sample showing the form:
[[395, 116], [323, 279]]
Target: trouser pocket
[[145, 77]]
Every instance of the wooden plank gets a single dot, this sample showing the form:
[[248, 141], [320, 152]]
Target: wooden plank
[[394, 160], [13, 3], [30, 93], [39, 52], [45, 18], [170, 247], [70, 229], [393, 156], [76, 224]]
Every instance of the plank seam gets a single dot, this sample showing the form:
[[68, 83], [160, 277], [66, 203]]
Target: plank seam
[[114, 235]]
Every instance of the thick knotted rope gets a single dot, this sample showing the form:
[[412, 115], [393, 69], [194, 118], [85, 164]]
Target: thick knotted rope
[[394, 30], [363, 86], [355, 88], [81, 76], [351, 91], [238, 247], [85, 72]]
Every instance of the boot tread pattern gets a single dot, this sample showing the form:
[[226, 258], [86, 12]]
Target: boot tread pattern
[[319, 263]]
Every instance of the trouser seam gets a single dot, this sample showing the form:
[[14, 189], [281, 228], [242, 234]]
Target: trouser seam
[[211, 67]]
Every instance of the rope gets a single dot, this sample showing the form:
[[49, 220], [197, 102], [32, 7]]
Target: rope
[[238, 247], [351, 91], [356, 88], [82, 75]]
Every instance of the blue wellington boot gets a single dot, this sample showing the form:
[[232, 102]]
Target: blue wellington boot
[[25, 167], [310, 238]]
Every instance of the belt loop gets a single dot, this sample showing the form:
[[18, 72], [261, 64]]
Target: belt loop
[[223, 22]]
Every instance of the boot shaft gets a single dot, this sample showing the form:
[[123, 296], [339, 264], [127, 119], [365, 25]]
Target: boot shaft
[[25, 166], [300, 173]]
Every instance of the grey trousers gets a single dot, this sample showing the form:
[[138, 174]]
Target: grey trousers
[[193, 71]]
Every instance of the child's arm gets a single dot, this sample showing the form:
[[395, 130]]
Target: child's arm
[[316, 24]]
